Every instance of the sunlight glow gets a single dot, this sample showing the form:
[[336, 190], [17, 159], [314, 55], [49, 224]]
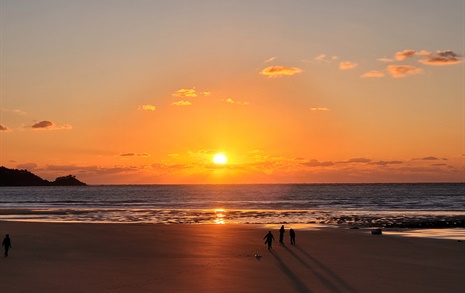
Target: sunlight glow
[[220, 159], [220, 215]]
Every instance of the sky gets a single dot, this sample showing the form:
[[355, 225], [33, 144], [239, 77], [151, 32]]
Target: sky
[[148, 92]]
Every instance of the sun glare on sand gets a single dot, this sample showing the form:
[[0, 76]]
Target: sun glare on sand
[[220, 159]]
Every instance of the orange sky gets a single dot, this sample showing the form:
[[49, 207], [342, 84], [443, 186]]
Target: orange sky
[[291, 92]]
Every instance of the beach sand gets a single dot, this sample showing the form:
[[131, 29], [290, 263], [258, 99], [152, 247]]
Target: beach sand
[[59, 257]]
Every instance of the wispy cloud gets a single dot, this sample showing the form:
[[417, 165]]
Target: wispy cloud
[[397, 71], [316, 163], [385, 163], [345, 65], [231, 101], [134, 155], [373, 73], [356, 161], [147, 107], [15, 111], [319, 109], [270, 59], [3, 128], [181, 103], [325, 58], [386, 60], [48, 125], [276, 71], [185, 93]]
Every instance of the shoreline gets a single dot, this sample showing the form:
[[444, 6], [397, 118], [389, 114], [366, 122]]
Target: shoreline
[[344, 218], [450, 233], [78, 257]]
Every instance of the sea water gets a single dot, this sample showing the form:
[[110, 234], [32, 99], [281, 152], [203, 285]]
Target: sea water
[[422, 205]]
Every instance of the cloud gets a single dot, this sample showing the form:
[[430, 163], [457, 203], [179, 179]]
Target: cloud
[[387, 60], [27, 166], [359, 160], [206, 93], [90, 169], [356, 160], [347, 65], [147, 107], [134, 155], [373, 73], [185, 93], [430, 158], [48, 125], [169, 168], [276, 71], [3, 128], [270, 59], [316, 163], [399, 56], [182, 103], [325, 58], [231, 101], [385, 163], [403, 70], [15, 111], [319, 109], [446, 57], [43, 124]]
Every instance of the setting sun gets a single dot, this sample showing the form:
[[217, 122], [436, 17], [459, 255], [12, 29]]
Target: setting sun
[[220, 159]]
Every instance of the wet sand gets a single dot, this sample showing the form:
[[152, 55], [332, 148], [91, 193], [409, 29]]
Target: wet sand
[[59, 257]]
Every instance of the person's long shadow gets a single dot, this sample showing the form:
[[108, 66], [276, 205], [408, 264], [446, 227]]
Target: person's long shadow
[[327, 282], [295, 280], [330, 283]]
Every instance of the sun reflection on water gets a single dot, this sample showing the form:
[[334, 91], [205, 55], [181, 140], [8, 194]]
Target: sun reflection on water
[[220, 215]]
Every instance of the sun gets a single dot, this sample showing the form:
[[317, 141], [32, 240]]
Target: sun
[[220, 159]]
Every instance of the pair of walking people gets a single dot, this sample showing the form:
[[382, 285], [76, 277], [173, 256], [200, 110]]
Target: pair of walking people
[[269, 237]]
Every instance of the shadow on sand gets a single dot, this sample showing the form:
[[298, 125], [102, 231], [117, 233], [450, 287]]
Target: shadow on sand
[[332, 280], [295, 280]]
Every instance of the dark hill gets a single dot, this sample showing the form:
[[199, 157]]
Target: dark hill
[[14, 177]]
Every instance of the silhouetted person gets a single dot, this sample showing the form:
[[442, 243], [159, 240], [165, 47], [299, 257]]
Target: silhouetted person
[[6, 244], [281, 234], [269, 239], [292, 234]]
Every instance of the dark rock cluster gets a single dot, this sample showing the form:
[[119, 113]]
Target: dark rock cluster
[[14, 177]]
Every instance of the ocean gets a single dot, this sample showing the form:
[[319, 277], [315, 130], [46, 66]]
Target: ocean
[[421, 205]]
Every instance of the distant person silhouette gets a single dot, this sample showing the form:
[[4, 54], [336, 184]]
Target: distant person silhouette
[[6, 244], [281, 234], [269, 239], [292, 234]]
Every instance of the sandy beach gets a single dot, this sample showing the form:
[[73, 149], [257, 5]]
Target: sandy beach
[[59, 257]]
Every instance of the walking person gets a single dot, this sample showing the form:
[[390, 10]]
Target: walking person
[[269, 239], [6, 244], [292, 234], [281, 234]]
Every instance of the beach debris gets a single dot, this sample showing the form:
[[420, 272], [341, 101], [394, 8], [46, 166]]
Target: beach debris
[[376, 232]]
